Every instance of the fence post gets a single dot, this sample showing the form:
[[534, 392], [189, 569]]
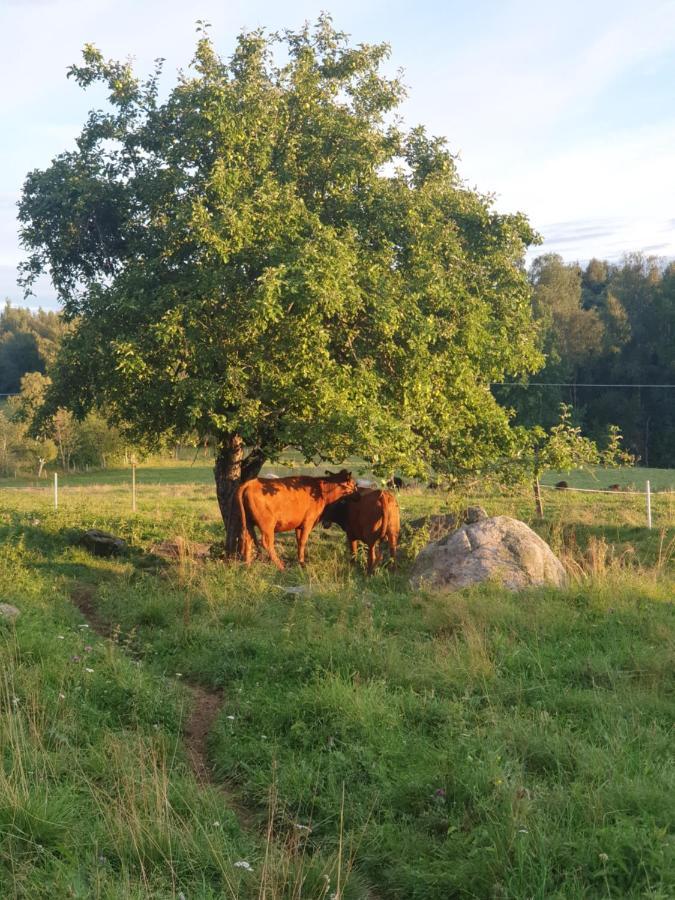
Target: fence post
[[133, 487], [649, 505], [56, 490]]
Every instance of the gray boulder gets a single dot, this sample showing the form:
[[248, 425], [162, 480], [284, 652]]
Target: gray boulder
[[7, 611], [498, 548], [100, 543]]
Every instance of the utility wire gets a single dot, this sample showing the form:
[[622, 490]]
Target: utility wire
[[578, 385]]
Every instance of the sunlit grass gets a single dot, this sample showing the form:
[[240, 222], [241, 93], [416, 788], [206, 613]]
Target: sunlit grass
[[431, 745]]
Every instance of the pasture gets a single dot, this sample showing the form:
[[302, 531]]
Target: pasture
[[369, 742]]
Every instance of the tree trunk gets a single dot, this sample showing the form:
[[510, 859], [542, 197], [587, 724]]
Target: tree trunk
[[231, 469], [537, 497]]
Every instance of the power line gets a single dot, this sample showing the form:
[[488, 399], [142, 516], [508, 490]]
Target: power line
[[578, 385]]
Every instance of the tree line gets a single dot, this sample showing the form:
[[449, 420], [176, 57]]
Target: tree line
[[605, 324]]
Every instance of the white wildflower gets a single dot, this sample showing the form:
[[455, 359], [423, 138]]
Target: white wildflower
[[89, 670], [242, 864]]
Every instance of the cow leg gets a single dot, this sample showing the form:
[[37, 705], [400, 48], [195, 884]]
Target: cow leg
[[353, 548], [267, 538], [393, 546], [372, 557], [302, 535]]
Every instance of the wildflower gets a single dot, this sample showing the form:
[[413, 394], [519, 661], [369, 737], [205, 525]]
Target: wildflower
[[88, 649], [75, 658], [523, 831], [181, 896], [439, 792], [242, 864], [83, 626], [88, 670], [231, 718], [179, 674], [15, 700], [60, 637], [603, 857], [62, 696], [216, 824], [302, 827]]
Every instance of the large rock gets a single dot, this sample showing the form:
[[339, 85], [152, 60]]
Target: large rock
[[100, 543], [498, 548]]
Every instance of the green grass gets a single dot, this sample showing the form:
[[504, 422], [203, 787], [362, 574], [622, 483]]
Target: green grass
[[478, 744], [630, 478]]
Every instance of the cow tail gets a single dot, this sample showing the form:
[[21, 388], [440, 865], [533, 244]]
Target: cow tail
[[386, 518], [242, 516]]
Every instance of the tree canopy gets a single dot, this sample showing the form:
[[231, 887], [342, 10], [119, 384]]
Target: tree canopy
[[267, 256]]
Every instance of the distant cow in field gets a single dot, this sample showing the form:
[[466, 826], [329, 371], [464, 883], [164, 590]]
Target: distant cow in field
[[562, 485], [294, 503], [369, 516], [395, 482]]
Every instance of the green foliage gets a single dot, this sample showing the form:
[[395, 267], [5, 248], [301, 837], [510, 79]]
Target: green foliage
[[29, 342], [267, 254], [610, 324]]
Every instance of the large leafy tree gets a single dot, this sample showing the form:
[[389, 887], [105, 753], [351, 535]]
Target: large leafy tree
[[267, 257]]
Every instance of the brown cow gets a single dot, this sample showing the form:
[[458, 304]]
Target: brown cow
[[286, 504], [374, 518]]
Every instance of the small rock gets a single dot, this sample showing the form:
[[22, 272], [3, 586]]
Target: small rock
[[7, 611], [295, 588], [100, 543]]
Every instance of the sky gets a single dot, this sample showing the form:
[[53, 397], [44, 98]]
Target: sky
[[561, 111]]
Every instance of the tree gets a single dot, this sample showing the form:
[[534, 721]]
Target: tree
[[564, 447], [266, 257]]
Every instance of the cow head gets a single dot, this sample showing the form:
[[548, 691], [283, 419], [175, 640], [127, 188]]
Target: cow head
[[344, 484]]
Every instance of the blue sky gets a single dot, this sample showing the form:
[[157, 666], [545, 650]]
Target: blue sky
[[563, 111]]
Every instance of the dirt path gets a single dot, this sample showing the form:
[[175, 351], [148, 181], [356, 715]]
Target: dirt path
[[202, 712]]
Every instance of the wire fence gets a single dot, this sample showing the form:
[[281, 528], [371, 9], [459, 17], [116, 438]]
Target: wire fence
[[129, 485]]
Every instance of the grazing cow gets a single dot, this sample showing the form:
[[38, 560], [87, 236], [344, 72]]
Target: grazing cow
[[373, 518], [294, 503], [395, 482]]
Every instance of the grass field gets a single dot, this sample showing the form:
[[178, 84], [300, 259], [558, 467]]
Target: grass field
[[371, 741]]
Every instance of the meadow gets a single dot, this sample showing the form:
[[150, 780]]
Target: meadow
[[370, 741]]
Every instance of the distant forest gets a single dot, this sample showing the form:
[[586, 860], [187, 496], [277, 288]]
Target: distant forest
[[605, 324], [602, 324]]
